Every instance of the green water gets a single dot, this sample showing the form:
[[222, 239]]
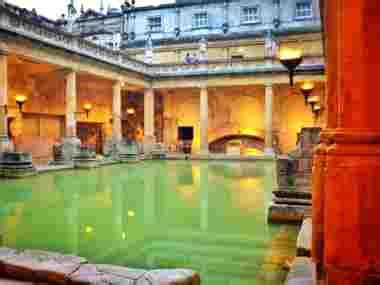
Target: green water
[[207, 216]]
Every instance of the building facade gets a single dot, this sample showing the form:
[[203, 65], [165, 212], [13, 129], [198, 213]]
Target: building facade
[[232, 28]]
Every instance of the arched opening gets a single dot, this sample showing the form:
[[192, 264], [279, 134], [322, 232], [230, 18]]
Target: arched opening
[[238, 144]]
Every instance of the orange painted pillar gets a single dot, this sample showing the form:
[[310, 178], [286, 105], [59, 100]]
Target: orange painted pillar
[[351, 189]]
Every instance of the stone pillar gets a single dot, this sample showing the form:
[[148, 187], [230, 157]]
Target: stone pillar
[[347, 212], [5, 143], [71, 142], [203, 124], [116, 113], [149, 138], [268, 120]]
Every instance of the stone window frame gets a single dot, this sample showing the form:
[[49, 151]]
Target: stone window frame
[[196, 23], [246, 21], [303, 17], [156, 28]]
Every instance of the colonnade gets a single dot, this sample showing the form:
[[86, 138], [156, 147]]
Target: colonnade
[[71, 110]]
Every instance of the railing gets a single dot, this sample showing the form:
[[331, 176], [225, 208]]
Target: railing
[[234, 66], [26, 27]]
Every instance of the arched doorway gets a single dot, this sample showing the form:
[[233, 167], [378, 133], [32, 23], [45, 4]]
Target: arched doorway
[[246, 144]]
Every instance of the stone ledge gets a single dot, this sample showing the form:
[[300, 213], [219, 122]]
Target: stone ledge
[[283, 213], [34, 267], [304, 239]]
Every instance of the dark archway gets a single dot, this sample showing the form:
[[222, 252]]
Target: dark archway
[[247, 141]]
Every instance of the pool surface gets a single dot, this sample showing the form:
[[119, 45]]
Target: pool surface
[[207, 216]]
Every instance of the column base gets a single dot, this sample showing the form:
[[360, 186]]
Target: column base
[[70, 148], [6, 144], [148, 144], [111, 148]]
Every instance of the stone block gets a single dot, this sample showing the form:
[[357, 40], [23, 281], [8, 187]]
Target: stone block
[[41, 266], [16, 165], [302, 272], [304, 239]]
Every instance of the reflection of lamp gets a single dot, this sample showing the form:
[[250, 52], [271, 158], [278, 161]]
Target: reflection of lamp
[[313, 101], [87, 108], [317, 110], [306, 90], [131, 111], [20, 100], [291, 59]]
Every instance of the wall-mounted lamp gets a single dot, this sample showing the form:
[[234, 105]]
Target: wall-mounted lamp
[[131, 111], [20, 100], [291, 59], [306, 90], [87, 108]]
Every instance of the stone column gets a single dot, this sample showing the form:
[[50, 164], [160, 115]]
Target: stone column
[[268, 120], [149, 137], [116, 113], [5, 143], [347, 236], [71, 142], [203, 122]]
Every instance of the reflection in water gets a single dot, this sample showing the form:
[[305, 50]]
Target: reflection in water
[[209, 216]]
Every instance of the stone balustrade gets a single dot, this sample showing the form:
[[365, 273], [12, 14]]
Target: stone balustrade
[[54, 37], [234, 66]]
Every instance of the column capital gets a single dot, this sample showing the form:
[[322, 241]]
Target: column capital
[[269, 85]]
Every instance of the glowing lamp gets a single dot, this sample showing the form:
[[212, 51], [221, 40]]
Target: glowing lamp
[[307, 89], [87, 108], [20, 100], [291, 59], [131, 111]]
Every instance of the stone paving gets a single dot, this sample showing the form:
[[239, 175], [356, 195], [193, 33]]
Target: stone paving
[[43, 267]]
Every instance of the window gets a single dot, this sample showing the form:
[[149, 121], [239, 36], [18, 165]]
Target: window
[[200, 20], [304, 10], [250, 15], [154, 24]]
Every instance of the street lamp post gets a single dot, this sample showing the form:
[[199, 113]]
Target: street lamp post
[[291, 59]]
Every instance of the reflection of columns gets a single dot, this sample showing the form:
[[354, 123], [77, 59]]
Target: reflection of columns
[[204, 195], [71, 104], [116, 112], [203, 124], [148, 119], [117, 208], [268, 119], [150, 194], [4, 140], [71, 214]]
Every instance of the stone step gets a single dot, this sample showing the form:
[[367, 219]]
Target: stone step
[[292, 194], [304, 239]]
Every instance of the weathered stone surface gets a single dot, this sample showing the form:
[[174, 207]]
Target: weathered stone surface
[[302, 272], [14, 282], [170, 277], [305, 238], [125, 272], [89, 274], [41, 266]]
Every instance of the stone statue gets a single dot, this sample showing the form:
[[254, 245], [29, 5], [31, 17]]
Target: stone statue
[[203, 49], [149, 49], [270, 44]]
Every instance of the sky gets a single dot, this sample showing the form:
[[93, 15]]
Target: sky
[[54, 8]]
